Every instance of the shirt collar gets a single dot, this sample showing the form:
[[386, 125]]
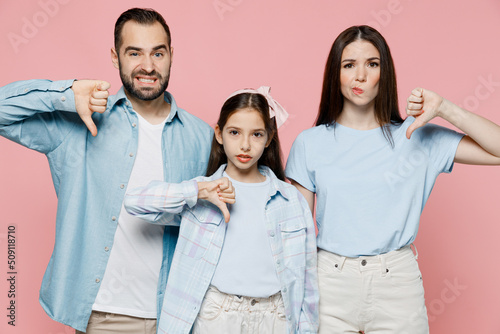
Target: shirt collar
[[276, 184], [121, 97]]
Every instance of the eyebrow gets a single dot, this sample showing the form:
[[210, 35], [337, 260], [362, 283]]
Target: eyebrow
[[353, 60], [239, 129], [135, 48]]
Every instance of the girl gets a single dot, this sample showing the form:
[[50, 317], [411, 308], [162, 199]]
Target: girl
[[256, 274], [372, 177]]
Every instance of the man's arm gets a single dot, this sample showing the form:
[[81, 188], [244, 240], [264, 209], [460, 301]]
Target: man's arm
[[39, 114]]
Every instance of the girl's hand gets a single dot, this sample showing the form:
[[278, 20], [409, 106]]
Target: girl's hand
[[424, 105], [218, 192]]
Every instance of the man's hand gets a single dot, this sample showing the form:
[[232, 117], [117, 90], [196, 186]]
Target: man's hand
[[218, 192], [90, 96], [424, 105]]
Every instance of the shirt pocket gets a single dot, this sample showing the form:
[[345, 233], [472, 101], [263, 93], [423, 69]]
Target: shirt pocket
[[198, 228], [293, 237]]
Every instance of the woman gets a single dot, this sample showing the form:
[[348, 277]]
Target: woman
[[372, 173]]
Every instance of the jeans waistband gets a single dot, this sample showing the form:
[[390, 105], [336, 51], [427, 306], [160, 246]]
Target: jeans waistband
[[234, 302], [366, 263]]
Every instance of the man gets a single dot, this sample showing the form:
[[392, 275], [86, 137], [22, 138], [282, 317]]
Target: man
[[107, 266]]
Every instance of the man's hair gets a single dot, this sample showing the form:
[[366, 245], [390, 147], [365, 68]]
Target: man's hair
[[146, 16]]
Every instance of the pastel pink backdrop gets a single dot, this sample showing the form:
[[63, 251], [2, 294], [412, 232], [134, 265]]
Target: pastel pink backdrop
[[223, 45]]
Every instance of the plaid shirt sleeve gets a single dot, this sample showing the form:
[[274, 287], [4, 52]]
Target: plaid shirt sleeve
[[309, 313], [159, 202]]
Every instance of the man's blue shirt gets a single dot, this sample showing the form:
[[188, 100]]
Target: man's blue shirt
[[90, 176]]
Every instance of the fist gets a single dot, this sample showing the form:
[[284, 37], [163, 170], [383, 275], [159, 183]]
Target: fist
[[90, 96]]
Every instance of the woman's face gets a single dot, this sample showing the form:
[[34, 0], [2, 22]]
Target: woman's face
[[359, 74]]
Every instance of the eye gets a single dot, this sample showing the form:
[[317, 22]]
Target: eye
[[258, 134], [349, 65], [158, 54], [233, 132], [373, 64]]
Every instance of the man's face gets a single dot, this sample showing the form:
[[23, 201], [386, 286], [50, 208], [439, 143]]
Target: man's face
[[144, 60]]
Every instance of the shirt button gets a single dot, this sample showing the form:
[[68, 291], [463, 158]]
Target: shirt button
[[122, 186], [126, 102], [134, 125], [278, 261], [63, 98], [106, 249], [97, 280], [363, 263], [113, 218], [131, 155], [289, 317], [253, 302], [284, 290], [26, 90], [271, 234]]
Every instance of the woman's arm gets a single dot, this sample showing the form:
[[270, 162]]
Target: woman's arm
[[481, 146], [159, 202], [308, 195]]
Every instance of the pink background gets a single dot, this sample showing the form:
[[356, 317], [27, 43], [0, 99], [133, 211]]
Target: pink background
[[447, 46]]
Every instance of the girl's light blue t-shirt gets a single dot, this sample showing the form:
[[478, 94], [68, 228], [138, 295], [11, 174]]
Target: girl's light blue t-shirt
[[369, 194]]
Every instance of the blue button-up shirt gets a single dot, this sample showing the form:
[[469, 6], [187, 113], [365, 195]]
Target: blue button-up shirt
[[90, 176], [290, 231]]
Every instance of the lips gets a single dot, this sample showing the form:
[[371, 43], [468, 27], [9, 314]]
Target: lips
[[244, 158], [357, 91], [146, 81]]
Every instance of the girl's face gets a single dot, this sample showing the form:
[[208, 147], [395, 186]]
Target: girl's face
[[360, 74], [244, 138]]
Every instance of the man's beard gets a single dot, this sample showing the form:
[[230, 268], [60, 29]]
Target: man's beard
[[144, 93]]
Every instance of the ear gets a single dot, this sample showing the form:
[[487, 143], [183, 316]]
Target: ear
[[171, 54], [218, 134], [114, 58]]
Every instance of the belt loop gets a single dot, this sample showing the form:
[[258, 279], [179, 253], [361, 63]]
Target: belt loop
[[383, 265], [415, 251]]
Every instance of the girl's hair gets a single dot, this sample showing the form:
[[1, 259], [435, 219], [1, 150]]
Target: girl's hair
[[271, 157], [386, 102]]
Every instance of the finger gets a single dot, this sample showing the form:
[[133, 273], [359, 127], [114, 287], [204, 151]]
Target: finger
[[100, 94], [415, 99], [228, 200], [225, 212], [99, 109], [103, 85], [98, 102], [415, 125], [89, 122], [224, 196], [418, 92]]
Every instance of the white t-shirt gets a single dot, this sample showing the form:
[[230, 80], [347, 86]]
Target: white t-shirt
[[130, 282], [246, 265]]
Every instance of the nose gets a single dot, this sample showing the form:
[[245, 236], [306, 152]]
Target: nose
[[147, 64], [361, 74], [245, 144]]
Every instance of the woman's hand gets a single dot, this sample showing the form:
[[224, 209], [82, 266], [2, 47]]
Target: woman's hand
[[424, 105]]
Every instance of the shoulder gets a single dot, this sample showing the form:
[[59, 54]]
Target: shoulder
[[193, 121], [315, 132]]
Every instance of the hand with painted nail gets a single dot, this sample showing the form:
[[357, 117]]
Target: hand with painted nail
[[424, 105], [219, 192], [90, 96]]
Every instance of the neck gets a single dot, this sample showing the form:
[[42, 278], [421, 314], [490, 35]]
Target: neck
[[250, 175], [154, 111], [358, 117]]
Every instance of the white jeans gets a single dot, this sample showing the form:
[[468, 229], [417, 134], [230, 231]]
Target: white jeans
[[223, 313], [380, 294]]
